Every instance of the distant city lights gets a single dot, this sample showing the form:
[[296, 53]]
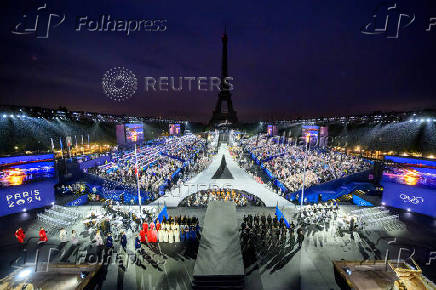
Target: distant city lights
[[428, 120]]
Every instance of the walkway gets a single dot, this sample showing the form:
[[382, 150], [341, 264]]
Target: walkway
[[241, 180]]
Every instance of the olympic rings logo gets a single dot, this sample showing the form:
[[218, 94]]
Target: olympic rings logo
[[412, 199]]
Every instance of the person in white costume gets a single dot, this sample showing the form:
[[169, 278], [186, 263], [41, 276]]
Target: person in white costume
[[63, 235], [74, 237], [176, 233], [98, 240], [170, 234], [165, 235], [160, 233]]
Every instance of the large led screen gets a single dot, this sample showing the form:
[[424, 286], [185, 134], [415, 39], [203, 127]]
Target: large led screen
[[26, 182], [310, 133], [410, 184], [175, 129], [134, 133]]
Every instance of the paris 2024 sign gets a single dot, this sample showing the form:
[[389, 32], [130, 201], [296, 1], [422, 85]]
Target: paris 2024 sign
[[26, 182]]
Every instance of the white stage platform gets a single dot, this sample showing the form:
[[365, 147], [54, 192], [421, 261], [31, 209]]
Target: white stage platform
[[241, 180]]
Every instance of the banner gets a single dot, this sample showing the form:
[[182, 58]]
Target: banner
[[162, 214], [280, 215], [79, 201], [360, 201]]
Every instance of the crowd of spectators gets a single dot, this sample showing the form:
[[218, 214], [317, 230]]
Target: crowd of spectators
[[286, 162], [156, 163]]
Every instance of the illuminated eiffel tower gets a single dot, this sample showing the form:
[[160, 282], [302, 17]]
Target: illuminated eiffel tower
[[224, 115]]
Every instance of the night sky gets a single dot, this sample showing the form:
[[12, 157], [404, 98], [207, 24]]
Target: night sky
[[288, 58]]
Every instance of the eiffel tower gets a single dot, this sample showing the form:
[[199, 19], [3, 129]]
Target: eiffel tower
[[224, 115]]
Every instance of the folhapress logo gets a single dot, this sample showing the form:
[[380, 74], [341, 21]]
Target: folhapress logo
[[108, 23], [38, 23], [388, 20], [41, 22]]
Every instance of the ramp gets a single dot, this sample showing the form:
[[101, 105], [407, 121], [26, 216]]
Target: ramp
[[219, 261]]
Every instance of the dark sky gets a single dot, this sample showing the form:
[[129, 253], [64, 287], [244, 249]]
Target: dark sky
[[288, 58]]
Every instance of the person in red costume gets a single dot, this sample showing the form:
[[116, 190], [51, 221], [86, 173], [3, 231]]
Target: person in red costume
[[42, 235], [154, 234], [20, 235], [145, 227], [149, 232], [142, 234]]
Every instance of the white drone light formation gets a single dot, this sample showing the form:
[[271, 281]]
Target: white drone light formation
[[119, 84]]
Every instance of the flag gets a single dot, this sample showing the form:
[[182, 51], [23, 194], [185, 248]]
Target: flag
[[162, 214], [62, 148], [137, 179], [280, 215], [69, 141]]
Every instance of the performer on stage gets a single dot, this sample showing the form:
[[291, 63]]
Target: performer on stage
[[42, 235], [160, 232], [171, 229], [143, 234], [74, 238], [154, 235], [98, 239], [20, 235], [123, 240], [151, 234], [109, 244], [300, 237], [165, 234], [138, 243], [63, 235]]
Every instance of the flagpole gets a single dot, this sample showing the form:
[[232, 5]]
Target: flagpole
[[52, 145], [137, 182], [304, 174], [62, 149], [83, 148]]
